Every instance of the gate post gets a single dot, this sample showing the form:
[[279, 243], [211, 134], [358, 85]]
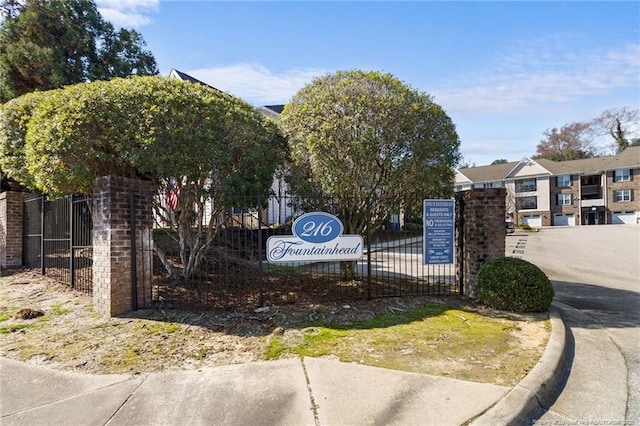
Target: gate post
[[459, 242], [122, 222], [480, 233], [11, 222]]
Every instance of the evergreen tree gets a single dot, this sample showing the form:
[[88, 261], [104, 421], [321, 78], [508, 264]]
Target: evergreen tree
[[47, 44]]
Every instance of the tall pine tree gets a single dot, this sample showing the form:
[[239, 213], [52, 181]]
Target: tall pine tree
[[47, 44]]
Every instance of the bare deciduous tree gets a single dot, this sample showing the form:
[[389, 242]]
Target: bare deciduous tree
[[570, 142], [622, 124]]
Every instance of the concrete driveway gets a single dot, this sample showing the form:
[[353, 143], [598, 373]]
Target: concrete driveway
[[595, 269]]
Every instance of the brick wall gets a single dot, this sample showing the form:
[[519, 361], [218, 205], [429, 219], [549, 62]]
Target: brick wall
[[480, 233], [632, 184], [114, 272], [573, 191], [11, 217]]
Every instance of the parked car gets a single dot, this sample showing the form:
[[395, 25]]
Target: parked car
[[510, 227]]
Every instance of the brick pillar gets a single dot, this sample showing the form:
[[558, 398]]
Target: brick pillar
[[114, 273], [480, 233], [11, 218]]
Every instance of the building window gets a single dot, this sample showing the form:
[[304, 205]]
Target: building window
[[622, 195], [563, 181], [527, 203], [526, 185], [478, 185], [497, 184], [563, 200], [622, 175]]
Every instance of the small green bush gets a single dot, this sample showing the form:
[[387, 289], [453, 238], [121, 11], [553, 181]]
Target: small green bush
[[410, 226], [515, 285], [525, 226]]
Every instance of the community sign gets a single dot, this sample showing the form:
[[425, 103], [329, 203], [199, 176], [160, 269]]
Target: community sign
[[317, 237], [438, 216]]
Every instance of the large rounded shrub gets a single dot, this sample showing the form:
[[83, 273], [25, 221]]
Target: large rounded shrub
[[515, 285]]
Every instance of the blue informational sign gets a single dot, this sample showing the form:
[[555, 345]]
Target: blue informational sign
[[439, 231]]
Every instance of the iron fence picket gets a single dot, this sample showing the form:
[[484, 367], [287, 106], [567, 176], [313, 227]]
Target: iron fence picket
[[57, 239], [81, 238]]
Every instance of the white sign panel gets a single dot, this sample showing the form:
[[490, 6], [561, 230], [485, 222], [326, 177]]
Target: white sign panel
[[291, 249], [316, 237]]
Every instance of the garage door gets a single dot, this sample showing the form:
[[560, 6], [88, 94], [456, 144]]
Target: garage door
[[534, 221], [564, 219], [624, 217]]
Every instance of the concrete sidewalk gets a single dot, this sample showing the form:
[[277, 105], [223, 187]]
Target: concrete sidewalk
[[287, 392], [309, 391]]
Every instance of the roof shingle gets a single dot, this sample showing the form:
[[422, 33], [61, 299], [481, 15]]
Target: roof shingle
[[627, 159]]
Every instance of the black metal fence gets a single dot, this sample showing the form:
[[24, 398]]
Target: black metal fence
[[57, 239], [235, 272]]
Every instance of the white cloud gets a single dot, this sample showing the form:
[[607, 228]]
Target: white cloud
[[255, 83], [541, 76], [128, 13]]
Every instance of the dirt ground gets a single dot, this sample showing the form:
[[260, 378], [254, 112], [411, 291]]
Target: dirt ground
[[70, 335]]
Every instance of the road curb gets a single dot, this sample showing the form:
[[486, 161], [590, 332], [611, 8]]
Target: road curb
[[539, 389]]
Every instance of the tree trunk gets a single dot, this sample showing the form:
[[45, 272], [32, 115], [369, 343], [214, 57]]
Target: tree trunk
[[173, 274], [348, 270]]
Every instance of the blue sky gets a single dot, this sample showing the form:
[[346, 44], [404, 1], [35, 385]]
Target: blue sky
[[504, 71]]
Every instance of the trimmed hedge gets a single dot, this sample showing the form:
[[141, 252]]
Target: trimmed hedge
[[410, 226], [512, 284]]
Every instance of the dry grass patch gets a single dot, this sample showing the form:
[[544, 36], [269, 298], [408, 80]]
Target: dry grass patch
[[451, 336]]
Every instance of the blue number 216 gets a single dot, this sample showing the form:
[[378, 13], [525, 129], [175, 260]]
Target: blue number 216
[[317, 227]]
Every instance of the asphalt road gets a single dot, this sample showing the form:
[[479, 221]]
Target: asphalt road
[[597, 270]]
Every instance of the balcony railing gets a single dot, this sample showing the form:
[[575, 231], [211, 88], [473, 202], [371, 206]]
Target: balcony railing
[[526, 188], [592, 203]]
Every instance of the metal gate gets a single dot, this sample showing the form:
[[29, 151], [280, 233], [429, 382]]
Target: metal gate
[[57, 239]]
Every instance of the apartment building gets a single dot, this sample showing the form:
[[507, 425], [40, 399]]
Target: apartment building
[[541, 192]]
